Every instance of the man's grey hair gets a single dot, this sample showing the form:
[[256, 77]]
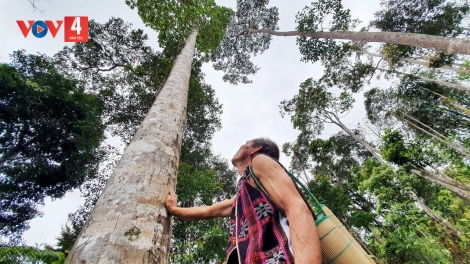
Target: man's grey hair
[[267, 147]]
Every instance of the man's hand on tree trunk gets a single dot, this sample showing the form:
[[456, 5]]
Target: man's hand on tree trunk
[[171, 202]]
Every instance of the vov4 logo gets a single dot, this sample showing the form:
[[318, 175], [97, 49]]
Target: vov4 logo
[[75, 28]]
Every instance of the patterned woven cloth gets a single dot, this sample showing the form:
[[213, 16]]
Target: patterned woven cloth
[[255, 225]]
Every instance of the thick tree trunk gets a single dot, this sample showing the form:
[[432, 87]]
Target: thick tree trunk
[[454, 45], [130, 223]]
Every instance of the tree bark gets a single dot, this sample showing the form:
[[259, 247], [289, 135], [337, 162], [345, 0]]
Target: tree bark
[[451, 45], [130, 223]]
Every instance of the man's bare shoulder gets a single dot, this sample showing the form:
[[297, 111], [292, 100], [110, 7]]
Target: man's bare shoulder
[[262, 163], [263, 158]]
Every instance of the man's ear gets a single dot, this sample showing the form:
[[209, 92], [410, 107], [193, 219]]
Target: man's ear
[[256, 150]]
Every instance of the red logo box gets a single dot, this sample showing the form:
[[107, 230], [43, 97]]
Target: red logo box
[[76, 29]]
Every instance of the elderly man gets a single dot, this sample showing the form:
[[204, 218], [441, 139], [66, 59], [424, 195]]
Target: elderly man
[[266, 226]]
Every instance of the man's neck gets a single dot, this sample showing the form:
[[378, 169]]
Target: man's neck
[[241, 166]]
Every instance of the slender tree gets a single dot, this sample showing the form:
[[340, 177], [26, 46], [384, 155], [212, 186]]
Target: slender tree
[[315, 106], [315, 43], [422, 157], [427, 64], [364, 199], [424, 78], [411, 39], [310, 21]]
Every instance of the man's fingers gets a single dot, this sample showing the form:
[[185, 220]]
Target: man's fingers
[[171, 195]]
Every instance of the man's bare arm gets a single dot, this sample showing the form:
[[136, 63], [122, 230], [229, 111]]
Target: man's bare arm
[[219, 209], [280, 187]]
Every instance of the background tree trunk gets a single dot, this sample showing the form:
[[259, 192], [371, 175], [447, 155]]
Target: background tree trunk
[[451, 229], [454, 186], [451, 45], [418, 62], [375, 152], [443, 83], [129, 223]]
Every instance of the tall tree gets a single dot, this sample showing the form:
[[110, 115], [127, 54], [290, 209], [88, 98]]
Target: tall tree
[[433, 17], [316, 105], [365, 195], [316, 43], [364, 199], [411, 101], [50, 134], [438, 43], [137, 220], [119, 66]]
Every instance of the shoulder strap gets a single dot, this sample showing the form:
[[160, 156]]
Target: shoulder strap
[[294, 180]]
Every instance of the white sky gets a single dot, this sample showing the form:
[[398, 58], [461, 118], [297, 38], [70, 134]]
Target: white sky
[[249, 111]]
